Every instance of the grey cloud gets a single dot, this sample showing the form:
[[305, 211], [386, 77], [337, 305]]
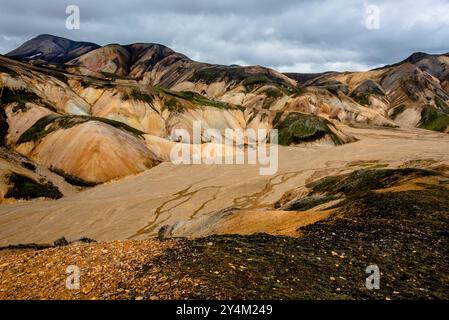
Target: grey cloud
[[302, 36]]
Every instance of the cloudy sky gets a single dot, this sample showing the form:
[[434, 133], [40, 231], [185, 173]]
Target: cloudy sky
[[288, 35]]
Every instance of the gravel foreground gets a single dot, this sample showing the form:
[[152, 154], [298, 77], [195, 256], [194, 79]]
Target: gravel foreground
[[402, 228]]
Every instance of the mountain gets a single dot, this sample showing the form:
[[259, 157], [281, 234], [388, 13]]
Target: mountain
[[304, 77], [86, 138], [413, 92], [63, 101], [51, 49], [230, 248]]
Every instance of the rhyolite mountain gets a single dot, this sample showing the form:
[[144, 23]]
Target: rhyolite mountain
[[90, 113], [86, 133], [51, 49]]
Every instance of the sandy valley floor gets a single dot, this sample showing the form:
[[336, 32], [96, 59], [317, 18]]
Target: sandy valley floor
[[137, 206]]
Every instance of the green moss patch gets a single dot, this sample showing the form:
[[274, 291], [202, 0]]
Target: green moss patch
[[116, 124], [38, 130], [196, 99], [434, 119], [364, 180], [96, 83], [48, 124], [233, 74], [55, 74], [273, 93], [299, 128], [310, 202], [139, 96], [19, 96], [174, 106], [441, 104], [27, 188], [236, 75], [73, 180]]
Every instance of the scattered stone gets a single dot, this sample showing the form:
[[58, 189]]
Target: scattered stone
[[61, 242]]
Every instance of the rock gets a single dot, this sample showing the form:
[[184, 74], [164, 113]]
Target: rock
[[369, 87], [164, 232], [61, 242], [83, 240]]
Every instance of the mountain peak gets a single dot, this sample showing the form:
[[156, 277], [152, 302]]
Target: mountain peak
[[48, 36], [51, 49], [417, 56]]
